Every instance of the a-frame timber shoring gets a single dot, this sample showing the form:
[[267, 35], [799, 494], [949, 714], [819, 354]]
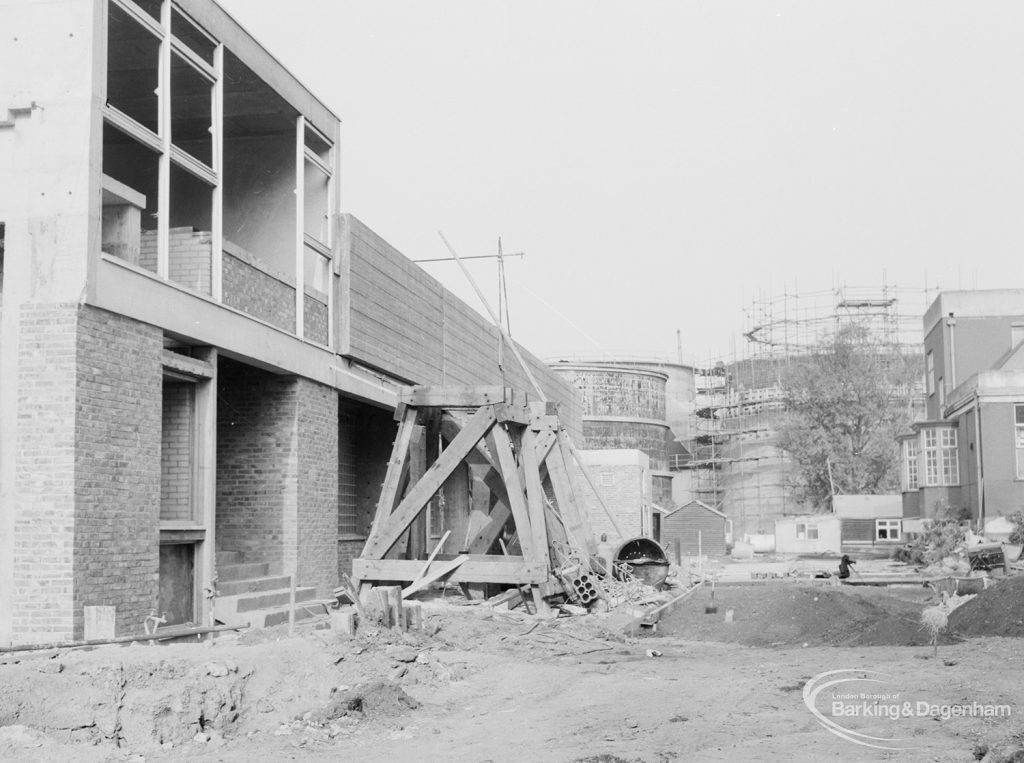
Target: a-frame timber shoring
[[507, 448]]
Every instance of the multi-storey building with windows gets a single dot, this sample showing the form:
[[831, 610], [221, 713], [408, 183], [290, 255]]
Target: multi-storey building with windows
[[967, 456], [199, 352]]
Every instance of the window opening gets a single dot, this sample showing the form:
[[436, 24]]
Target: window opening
[[940, 457], [887, 529], [191, 110], [806, 531], [911, 453], [192, 36], [152, 7], [133, 63], [191, 213], [130, 202]]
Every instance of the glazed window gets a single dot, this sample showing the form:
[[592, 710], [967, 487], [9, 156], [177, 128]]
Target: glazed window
[[941, 466], [1018, 437], [806, 531], [911, 454], [133, 67], [887, 529]]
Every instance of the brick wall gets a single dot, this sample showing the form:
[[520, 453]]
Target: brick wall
[[314, 309], [189, 251], [366, 435], [250, 286], [347, 551], [624, 482], [317, 508], [256, 460], [277, 472], [117, 467], [348, 412], [44, 535], [176, 455]]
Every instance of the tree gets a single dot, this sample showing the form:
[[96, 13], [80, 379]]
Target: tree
[[845, 402]]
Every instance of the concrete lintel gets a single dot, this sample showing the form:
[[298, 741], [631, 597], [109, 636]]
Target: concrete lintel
[[189, 366], [130, 291]]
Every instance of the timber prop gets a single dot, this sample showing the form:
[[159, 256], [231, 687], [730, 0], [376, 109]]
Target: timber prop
[[521, 517]]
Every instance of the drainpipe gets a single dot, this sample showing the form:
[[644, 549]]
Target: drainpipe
[[978, 462], [951, 322]]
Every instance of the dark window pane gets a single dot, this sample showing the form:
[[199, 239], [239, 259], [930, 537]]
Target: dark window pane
[[133, 56], [191, 110], [197, 41]]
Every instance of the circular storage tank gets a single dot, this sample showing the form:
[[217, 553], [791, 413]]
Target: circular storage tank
[[622, 408]]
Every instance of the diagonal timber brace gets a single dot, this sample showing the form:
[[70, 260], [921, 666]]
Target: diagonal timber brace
[[416, 499]]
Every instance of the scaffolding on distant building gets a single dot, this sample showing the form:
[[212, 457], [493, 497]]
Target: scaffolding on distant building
[[734, 460]]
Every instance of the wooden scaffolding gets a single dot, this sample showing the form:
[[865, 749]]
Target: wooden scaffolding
[[521, 516]]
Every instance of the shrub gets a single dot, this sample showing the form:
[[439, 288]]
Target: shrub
[[940, 539], [1017, 535]]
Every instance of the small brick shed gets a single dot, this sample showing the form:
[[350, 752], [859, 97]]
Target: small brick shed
[[683, 524]]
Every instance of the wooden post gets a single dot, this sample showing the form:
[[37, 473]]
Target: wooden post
[[394, 607], [700, 556], [413, 616], [380, 604]]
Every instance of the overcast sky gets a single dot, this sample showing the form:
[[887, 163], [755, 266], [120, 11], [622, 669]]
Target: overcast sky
[[663, 164]]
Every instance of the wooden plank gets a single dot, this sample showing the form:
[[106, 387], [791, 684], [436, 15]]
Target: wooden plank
[[419, 455], [534, 497], [397, 466], [414, 501], [505, 600], [489, 533], [442, 569], [477, 569], [433, 553], [479, 502], [500, 446], [543, 443], [450, 428], [455, 397], [576, 523], [544, 423], [514, 413]]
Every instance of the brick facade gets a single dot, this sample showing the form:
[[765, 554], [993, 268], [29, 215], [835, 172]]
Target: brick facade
[[277, 472], [176, 464], [315, 315], [88, 470], [256, 460], [624, 481], [365, 437], [316, 512], [189, 253], [251, 287], [117, 467], [44, 528]]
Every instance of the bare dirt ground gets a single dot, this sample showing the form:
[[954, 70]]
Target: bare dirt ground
[[481, 685]]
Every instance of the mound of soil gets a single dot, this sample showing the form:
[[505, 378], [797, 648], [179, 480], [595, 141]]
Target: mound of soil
[[378, 699], [996, 611], [787, 614]]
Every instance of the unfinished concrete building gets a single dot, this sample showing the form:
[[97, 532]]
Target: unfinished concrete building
[[735, 463], [640, 409], [199, 353]]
